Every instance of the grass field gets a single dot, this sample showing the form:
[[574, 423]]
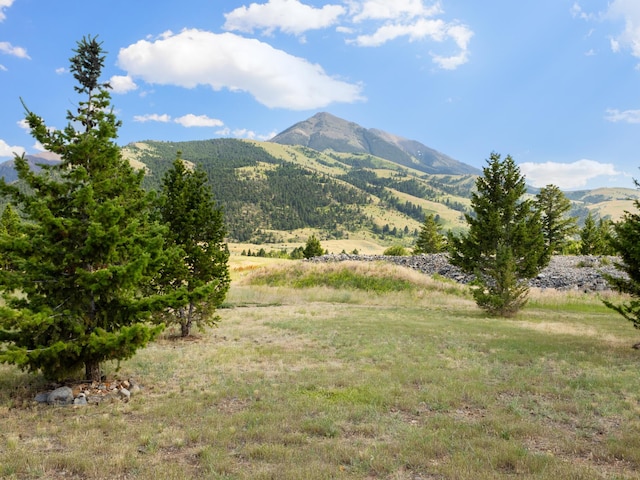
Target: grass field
[[353, 372]]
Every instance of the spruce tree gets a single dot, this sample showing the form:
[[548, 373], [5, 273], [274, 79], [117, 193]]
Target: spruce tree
[[626, 242], [313, 248], [504, 246], [73, 296], [557, 227], [199, 273], [430, 240]]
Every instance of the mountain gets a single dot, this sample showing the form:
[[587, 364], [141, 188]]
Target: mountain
[[8, 172], [324, 132]]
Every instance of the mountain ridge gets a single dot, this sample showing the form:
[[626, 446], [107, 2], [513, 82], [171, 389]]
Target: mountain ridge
[[324, 131]]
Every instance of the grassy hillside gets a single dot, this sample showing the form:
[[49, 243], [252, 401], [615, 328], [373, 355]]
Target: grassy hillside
[[270, 191], [352, 372]]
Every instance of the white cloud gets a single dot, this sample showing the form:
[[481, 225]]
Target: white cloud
[[3, 5], [566, 175], [122, 84], [274, 78], [152, 117], [3, 68], [24, 125], [7, 150], [244, 133], [626, 116], [578, 12], [629, 11], [61, 70], [386, 10], [191, 120], [7, 48], [289, 16], [413, 20]]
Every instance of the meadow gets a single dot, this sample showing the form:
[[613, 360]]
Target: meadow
[[352, 371]]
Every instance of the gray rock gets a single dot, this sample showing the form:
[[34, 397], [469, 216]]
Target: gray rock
[[42, 397], [564, 272], [80, 400], [60, 396], [124, 394]]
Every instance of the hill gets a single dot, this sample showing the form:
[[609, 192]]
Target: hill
[[324, 132], [274, 192]]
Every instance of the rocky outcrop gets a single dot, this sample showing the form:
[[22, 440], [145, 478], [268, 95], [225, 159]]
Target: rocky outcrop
[[90, 393], [564, 272]]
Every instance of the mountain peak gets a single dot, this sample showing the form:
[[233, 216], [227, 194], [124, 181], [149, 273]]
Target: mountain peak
[[325, 131]]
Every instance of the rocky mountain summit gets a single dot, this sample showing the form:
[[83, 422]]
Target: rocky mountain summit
[[324, 131], [564, 272]]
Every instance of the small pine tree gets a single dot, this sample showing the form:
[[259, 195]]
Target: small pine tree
[[199, 276], [430, 240], [313, 248], [595, 238], [553, 207], [504, 245], [73, 296]]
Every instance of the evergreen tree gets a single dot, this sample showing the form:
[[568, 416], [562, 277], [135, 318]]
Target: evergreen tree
[[557, 228], [595, 237], [9, 229], [430, 240], [504, 245], [199, 275], [312, 248], [87, 246], [626, 242]]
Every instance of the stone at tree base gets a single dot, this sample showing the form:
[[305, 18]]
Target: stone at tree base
[[60, 396], [125, 394], [42, 397]]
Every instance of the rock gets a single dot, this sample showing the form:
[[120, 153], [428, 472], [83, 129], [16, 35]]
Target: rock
[[124, 394], [60, 396], [564, 272], [42, 397], [80, 400]]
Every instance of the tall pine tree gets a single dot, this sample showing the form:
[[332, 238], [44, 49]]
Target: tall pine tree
[[73, 296], [504, 246], [199, 273]]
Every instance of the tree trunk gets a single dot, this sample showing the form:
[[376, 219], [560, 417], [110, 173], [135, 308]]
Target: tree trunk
[[93, 371], [185, 325]]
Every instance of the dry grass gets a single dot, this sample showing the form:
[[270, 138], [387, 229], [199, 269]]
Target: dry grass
[[319, 383]]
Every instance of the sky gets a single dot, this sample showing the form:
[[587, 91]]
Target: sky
[[553, 83]]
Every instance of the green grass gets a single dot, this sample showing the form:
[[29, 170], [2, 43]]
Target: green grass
[[354, 382]]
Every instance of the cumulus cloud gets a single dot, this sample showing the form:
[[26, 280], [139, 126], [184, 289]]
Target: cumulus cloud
[[566, 175], [152, 117], [415, 21], [629, 10], [273, 77], [4, 4], [7, 150], [8, 49], [288, 16], [122, 84], [191, 120], [626, 116]]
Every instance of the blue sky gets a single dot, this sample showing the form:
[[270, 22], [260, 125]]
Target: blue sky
[[553, 83]]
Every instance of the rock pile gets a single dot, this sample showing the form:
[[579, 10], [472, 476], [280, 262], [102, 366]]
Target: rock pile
[[90, 393], [564, 272]]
